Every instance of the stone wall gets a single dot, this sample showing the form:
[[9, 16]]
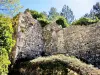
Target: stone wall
[[33, 41], [29, 42], [82, 42]]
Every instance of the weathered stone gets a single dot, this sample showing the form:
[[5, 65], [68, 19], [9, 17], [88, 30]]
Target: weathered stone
[[84, 43], [29, 38], [33, 41], [53, 38], [80, 41]]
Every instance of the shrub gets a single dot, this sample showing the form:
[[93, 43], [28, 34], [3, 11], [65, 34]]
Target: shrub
[[85, 21], [6, 43], [62, 21], [36, 14], [43, 22]]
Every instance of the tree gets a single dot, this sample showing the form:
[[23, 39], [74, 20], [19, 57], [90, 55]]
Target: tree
[[45, 14], [53, 14], [6, 43], [10, 7], [36, 14], [94, 12], [87, 15], [96, 9], [91, 15], [67, 13]]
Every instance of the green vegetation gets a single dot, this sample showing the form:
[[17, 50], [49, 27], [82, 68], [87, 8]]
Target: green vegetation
[[43, 22], [6, 43], [90, 18], [85, 21], [96, 9], [68, 14], [45, 14], [53, 14], [94, 12], [62, 21], [65, 61], [41, 17], [36, 14], [56, 65]]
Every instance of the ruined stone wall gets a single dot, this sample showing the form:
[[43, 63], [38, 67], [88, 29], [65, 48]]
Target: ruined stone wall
[[33, 41], [82, 42], [29, 42]]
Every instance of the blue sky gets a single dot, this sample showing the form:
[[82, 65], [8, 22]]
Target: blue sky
[[79, 7]]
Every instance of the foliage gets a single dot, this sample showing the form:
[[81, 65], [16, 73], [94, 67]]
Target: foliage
[[69, 62], [6, 43], [96, 9], [91, 15], [45, 14], [53, 14], [36, 14], [94, 12], [62, 21], [41, 17], [10, 7], [43, 21], [85, 21], [68, 14]]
